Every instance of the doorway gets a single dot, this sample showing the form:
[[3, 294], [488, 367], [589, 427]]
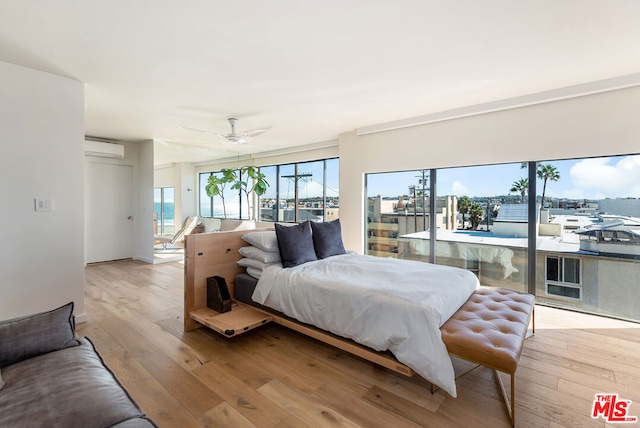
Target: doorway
[[109, 212]]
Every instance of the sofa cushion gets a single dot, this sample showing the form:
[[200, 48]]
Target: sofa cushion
[[230, 225], [70, 387], [26, 337], [1, 381], [210, 224]]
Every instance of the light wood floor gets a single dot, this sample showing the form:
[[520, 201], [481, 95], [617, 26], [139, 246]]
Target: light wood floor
[[273, 377]]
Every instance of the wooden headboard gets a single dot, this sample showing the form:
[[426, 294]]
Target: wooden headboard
[[205, 255]]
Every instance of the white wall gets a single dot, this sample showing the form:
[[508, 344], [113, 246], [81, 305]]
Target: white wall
[[144, 206], [42, 137], [593, 125]]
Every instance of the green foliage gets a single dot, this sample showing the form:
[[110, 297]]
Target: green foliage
[[475, 214], [254, 182], [259, 184], [463, 207], [217, 185], [546, 172], [521, 186]]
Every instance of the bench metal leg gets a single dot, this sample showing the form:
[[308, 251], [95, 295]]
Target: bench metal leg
[[508, 401]]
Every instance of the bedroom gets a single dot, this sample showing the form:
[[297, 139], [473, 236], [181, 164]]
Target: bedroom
[[560, 129]]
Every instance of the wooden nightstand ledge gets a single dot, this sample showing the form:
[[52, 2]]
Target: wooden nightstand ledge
[[241, 318]]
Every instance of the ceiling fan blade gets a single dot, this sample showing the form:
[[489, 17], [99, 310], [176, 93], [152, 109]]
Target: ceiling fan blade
[[203, 130], [234, 137], [255, 132]]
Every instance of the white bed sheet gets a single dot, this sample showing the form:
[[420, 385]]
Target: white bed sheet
[[383, 303]]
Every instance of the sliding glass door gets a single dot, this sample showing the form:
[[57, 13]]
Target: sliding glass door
[[163, 208]]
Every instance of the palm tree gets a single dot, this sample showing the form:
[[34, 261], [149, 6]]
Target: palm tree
[[545, 172], [521, 186], [463, 207], [475, 214]]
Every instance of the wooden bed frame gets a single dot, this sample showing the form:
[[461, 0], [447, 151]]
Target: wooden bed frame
[[217, 253], [211, 254]]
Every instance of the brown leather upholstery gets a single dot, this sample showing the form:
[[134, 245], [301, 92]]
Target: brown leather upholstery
[[490, 327]]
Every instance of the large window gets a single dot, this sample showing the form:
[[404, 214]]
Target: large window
[[296, 192], [575, 243], [228, 203], [482, 219], [163, 210], [302, 191], [396, 204]]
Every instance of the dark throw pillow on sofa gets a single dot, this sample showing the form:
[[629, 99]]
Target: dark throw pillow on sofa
[[295, 244], [26, 337], [327, 239]]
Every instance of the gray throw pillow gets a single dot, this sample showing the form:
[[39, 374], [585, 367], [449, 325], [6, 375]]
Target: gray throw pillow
[[327, 239], [26, 337], [295, 244]]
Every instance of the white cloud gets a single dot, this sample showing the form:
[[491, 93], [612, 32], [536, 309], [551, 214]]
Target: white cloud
[[458, 188], [600, 177]]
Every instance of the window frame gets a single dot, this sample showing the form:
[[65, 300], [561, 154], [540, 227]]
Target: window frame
[[242, 210], [561, 281]]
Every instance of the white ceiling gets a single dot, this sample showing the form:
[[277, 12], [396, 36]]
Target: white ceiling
[[309, 69]]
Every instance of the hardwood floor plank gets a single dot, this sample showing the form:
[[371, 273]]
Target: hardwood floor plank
[[181, 383], [225, 416], [248, 401], [154, 399], [305, 409], [352, 403], [273, 377]]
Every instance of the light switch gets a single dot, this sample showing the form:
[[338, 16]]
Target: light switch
[[44, 204]]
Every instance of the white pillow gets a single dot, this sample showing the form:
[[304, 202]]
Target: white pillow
[[258, 254], [254, 272], [266, 241], [245, 262]]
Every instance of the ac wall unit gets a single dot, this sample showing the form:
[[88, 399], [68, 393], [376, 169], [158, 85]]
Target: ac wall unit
[[103, 150]]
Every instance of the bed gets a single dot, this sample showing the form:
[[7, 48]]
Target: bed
[[382, 303]]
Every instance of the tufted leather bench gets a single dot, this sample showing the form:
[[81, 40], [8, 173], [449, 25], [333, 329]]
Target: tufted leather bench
[[489, 329]]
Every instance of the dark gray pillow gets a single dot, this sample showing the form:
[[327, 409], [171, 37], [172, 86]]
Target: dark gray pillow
[[327, 239], [295, 244], [26, 337]]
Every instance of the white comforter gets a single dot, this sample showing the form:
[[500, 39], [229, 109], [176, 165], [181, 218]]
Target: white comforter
[[385, 304]]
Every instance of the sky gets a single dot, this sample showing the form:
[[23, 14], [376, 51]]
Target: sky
[[589, 178], [595, 178]]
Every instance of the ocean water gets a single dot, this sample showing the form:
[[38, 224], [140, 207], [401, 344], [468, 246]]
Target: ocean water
[[169, 212]]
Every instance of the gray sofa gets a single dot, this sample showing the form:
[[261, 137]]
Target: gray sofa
[[49, 377]]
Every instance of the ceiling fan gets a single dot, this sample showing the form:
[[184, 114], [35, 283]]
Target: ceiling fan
[[234, 136]]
